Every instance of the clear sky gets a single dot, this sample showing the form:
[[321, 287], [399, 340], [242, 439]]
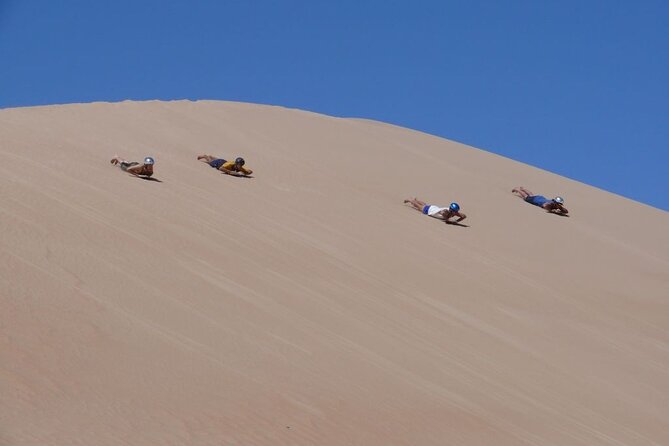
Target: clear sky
[[577, 87]]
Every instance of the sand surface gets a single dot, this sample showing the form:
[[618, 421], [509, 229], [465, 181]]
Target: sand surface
[[308, 305]]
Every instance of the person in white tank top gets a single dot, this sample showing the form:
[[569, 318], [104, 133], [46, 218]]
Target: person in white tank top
[[437, 212]]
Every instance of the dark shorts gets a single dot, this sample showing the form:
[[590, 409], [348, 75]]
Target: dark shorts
[[426, 208], [124, 166], [217, 163], [537, 200]]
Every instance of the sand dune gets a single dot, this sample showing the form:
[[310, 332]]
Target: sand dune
[[308, 305]]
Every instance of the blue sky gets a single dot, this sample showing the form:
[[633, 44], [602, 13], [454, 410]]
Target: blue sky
[[579, 88]]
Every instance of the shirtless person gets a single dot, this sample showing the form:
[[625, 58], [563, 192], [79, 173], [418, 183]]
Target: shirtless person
[[435, 211], [133, 167], [555, 205]]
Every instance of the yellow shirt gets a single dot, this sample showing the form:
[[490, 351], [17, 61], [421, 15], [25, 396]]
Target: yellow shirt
[[230, 165]]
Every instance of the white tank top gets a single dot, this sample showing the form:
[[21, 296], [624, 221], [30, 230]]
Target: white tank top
[[434, 210]]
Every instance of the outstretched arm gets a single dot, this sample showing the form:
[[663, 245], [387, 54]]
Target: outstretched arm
[[446, 214], [461, 217], [241, 173], [231, 172]]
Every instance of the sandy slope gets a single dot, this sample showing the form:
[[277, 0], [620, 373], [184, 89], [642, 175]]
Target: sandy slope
[[308, 306]]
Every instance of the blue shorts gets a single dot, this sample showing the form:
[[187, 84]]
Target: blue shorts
[[537, 200], [217, 163], [426, 208]]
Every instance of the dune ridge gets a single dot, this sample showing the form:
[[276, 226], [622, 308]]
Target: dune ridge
[[308, 305]]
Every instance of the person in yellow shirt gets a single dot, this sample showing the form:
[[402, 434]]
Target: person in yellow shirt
[[235, 168]]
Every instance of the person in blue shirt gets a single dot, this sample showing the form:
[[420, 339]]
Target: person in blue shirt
[[555, 205]]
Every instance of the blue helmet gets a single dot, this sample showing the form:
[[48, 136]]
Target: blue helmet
[[240, 161], [454, 207], [148, 160]]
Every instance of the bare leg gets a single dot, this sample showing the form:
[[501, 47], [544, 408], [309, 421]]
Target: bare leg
[[117, 160], [206, 158], [416, 203], [521, 192]]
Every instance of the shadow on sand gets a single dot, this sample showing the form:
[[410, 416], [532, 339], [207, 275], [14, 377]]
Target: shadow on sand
[[455, 223], [147, 178]]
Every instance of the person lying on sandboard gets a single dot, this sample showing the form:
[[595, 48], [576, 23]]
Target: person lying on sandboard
[[235, 168], [435, 211], [133, 167], [555, 205]]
